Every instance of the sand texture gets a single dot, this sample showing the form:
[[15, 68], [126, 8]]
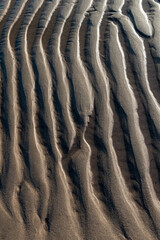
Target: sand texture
[[79, 119]]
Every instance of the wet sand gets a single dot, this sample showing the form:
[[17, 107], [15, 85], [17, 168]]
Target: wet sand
[[79, 120]]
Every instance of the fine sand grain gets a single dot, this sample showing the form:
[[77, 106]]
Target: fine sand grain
[[79, 120]]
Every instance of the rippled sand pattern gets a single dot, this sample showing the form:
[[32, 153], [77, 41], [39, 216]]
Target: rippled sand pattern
[[79, 120]]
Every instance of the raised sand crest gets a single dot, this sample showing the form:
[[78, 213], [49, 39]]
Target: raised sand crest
[[79, 119]]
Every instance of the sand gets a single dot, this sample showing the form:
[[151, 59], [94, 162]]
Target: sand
[[79, 120]]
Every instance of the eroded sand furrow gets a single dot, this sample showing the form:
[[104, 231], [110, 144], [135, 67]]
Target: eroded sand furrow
[[93, 218], [154, 42], [65, 88], [4, 6], [14, 174], [102, 106], [140, 19], [81, 91], [36, 158], [58, 70], [138, 59], [128, 102], [59, 186], [93, 215]]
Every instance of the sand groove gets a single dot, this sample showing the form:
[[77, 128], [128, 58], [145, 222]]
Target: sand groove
[[76, 161]]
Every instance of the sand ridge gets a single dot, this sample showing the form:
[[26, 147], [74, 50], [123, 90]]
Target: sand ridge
[[79, 119]]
